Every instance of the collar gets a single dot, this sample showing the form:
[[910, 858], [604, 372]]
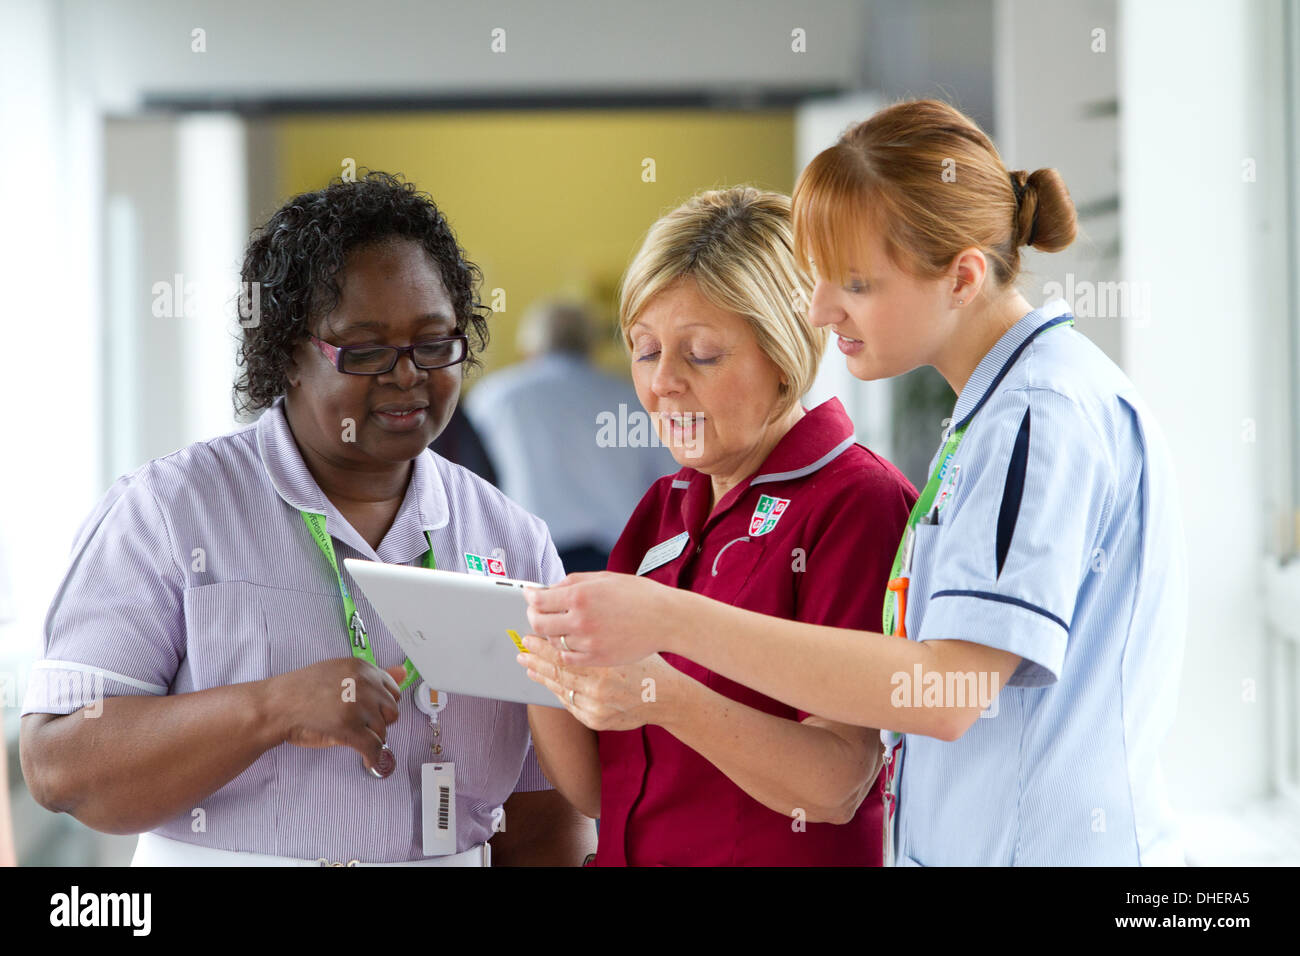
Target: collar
[[424, 508], [822, 435], [994, 366]]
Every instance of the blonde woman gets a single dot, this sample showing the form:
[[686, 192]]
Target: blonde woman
[[773, 504]]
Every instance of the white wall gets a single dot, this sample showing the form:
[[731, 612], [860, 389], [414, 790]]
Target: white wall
[[1200, 90], [261, 49], [1056, 86], [49, 271], [869, 404], [943, 48], [177, 221]]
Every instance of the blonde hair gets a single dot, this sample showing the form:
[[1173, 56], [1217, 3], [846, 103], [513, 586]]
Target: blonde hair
[[738, 246], [929, 181]]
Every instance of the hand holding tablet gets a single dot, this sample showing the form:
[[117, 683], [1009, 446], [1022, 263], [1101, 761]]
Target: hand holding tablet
[[461, 631]]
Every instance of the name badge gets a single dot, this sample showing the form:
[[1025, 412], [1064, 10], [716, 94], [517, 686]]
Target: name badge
[[664, 552], [438, 808]]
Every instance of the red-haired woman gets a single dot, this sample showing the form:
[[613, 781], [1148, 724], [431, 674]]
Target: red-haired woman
[[1041, 579]]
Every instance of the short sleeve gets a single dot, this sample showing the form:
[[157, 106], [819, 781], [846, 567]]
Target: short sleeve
[[552, 568], [1033, 483], [851, 545], [531, 777], [116, 625]]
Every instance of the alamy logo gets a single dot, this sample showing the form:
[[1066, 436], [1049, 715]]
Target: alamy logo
[[102, 909]]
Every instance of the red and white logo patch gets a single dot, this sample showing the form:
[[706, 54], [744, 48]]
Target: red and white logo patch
[[482, 564]]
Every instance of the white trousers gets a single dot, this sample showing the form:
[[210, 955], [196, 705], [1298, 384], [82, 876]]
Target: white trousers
[[155, 850]]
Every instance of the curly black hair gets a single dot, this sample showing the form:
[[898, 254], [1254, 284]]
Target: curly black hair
[[296, 257]]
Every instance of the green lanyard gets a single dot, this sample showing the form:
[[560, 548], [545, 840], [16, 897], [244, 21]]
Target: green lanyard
[[351, 619], [922, 507], [926, 501]]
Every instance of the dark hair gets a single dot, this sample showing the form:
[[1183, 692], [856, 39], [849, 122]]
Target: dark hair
[[296, 257]]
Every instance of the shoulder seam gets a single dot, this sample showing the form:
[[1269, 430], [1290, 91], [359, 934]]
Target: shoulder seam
[[1073, 402], [147, 488], [1112, 475]]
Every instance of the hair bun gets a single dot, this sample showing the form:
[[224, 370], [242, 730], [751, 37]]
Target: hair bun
[[1045, 214]]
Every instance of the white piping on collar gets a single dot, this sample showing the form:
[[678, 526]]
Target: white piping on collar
[[264, 453], [430, 466], [436, 486], [821, 462]]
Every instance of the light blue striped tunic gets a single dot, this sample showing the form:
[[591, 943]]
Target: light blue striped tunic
[[1061, 541], [198, 571]]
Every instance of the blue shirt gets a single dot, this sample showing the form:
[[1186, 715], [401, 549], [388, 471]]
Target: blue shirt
[[1060, 540], [570, 443]]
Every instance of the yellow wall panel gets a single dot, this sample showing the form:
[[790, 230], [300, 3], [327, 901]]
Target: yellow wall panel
[[546, 202]]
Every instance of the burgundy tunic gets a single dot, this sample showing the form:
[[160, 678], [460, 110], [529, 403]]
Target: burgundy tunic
[[810, 537]]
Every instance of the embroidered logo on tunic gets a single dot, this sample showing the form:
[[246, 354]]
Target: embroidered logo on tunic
[[767, 514], [478, 564]]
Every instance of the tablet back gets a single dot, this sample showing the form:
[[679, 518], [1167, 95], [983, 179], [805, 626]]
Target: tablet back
[[455, 627]]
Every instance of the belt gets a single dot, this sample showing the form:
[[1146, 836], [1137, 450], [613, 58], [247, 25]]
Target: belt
[[155, 850]]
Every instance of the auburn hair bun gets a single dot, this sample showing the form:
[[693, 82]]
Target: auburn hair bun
[[1045, 214]]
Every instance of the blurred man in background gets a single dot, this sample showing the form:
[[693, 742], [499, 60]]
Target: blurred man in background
[[540, 420], [459, 442]]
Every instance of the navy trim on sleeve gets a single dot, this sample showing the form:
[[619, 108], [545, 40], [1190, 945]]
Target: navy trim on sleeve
[[1012, 492], [990, 596]]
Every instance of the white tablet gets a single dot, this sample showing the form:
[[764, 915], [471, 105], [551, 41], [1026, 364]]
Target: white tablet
[[459, 630]]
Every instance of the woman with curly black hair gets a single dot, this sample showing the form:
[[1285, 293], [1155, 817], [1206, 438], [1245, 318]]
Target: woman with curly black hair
[[207, 620]]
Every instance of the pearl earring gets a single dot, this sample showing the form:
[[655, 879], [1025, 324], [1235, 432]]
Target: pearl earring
[[960, 301]]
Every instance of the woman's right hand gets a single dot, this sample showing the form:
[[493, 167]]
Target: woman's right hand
[[339, 702], [606, 619]]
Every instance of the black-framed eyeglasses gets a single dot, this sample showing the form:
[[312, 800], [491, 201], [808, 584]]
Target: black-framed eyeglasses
[[378, 359]]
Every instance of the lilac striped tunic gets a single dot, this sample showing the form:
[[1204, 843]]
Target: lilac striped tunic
[[198, 571]]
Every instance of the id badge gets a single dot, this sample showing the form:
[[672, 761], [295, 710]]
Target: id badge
[[438, 808], [663, 552], [429, 701], [909, 543]]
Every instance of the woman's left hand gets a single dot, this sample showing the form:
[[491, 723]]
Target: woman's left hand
[[603, 698]]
